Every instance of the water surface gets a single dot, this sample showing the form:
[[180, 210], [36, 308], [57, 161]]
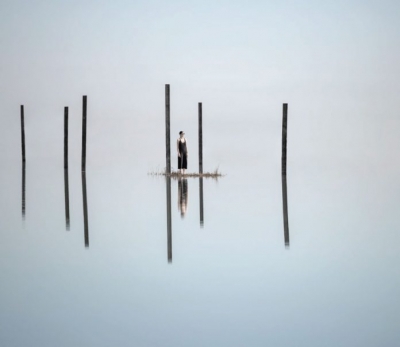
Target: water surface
[[225, 272]]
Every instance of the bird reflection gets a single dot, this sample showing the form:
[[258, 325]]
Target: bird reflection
[[182, 196], [169, 219], [23, 190], [85, 209], [285, 211], [66, 188], [201, 202]]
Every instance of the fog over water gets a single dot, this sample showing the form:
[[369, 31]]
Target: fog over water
[[220, 270]]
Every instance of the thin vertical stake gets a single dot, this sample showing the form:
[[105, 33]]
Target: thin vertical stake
[[23, 133], [65, 137], [66, 184], [167, 129], [284, 138], [84, 109], [200, 138]]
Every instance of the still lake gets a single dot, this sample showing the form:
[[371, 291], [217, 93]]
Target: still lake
[[224, 274]]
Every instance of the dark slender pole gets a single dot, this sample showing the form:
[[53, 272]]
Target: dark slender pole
[[200, 138], [285, 211], [23, 190], [167, 129], [284, 183], [85, 209], [65, 137], [66, 181], [169, 219], [284, 138], [23, 162], [201, 202], [66, 188], [84, 109], [23, 133]]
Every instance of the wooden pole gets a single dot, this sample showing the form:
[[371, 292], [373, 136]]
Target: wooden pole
[[284, 138], [65, 137], [167, 129], [66, 189], [23, 162], [284, 183], [285, 211], [23, 133], [200, 139], [169, 219], [84, 109], [85, 209], [66, 181], [201, 202]]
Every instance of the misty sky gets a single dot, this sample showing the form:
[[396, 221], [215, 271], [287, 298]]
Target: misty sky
[[334, 62]]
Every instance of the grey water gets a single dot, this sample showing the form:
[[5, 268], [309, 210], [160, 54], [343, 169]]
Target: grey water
[[116, 256]]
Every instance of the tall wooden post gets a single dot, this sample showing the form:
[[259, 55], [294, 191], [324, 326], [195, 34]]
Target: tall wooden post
[[200, 139], [65, 137], [84, 109], [167, 129], [284, 183], [22, 133], [284, 138]]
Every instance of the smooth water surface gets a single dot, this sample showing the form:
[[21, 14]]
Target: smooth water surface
[[221, 271]]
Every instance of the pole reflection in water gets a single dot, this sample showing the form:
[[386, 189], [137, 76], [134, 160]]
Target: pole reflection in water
[[201, 202], [182, 196], [85, 209], [285, 211], [169, 220], [66, 188], [23, 190]]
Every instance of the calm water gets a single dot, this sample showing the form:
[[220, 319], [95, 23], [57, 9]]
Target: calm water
[[127, 279], [221, 270]]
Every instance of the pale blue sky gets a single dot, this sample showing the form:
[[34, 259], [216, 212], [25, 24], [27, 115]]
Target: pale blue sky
[[335, 63]]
